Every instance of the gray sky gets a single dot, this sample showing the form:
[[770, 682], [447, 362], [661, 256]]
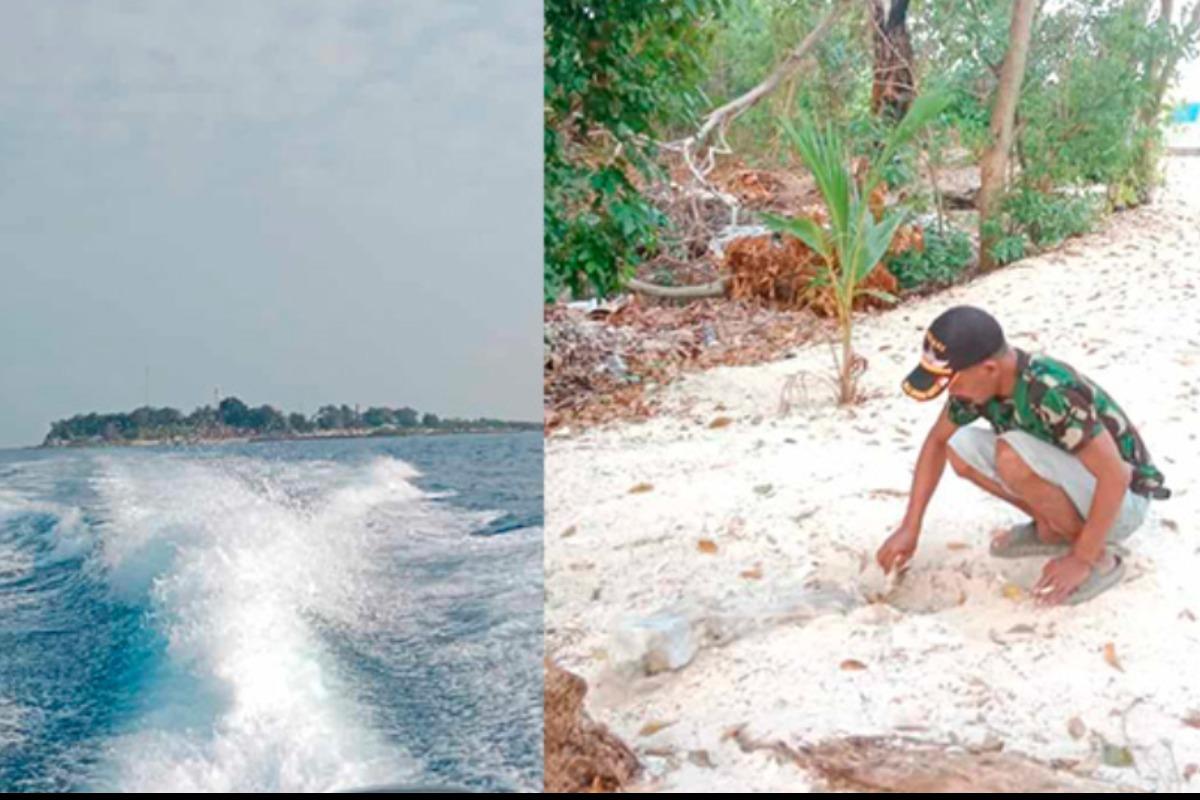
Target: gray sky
[[297, 201]]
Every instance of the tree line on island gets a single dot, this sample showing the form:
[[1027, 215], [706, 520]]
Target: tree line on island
[[233, 418]]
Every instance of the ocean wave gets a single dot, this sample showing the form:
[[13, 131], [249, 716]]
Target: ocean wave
[[36, 532], [239, 562]]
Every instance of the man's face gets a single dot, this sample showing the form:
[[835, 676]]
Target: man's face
[[976, 384]]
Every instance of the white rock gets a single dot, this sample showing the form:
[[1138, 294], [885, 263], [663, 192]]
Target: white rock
[[656, 644]]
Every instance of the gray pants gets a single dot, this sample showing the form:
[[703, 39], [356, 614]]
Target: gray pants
[[977, 447]]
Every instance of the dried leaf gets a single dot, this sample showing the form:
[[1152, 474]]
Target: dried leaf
[[764, 489], [569, 532], [1013, 592], [1171, 525], [701, 758], [957, 546], [707, 546], [854, 665], [734, 731], [1188, 615], [803, 515], [720, 422], [1110, 655], [1076, 728], [1192, 720], [641, 488], [651, 728], [753, 574]]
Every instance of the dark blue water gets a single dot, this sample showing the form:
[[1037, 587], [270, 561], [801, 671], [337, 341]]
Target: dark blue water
[[291, 616]]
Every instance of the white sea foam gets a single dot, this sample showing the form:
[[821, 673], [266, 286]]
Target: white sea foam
[[236, 558]]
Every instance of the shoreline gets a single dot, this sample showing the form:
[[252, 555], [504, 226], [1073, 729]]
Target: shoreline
[[206, 441]]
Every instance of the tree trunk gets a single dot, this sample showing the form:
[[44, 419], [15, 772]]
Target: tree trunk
[[848, 382], [1154, 61], [894, 86], [995, 160], [1160, 69]]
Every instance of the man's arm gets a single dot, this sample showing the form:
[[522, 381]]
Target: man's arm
[[1072, 417], [1077, 427], [900, 546]]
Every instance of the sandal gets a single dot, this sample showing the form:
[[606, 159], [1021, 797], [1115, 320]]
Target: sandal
[[1022, 541], [1097, 583]]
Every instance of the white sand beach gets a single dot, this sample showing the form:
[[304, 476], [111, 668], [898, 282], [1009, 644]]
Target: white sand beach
[[760, 534]]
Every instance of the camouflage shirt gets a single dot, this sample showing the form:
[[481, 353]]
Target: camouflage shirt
[[1057, 404]]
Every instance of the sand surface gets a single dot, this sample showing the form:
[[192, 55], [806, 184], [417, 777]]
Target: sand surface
[[795, 495]]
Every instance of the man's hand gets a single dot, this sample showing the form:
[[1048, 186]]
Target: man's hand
[[1060, 577], [897, 550]]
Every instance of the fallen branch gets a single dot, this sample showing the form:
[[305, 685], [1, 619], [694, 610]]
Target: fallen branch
[[714, 289], [721, 117], [907, 765], [717, 120]]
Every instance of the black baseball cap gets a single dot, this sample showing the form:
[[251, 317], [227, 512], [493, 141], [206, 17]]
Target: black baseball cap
[[961, 337]]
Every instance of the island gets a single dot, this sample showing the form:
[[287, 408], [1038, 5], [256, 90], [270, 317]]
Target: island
[[234, 421]]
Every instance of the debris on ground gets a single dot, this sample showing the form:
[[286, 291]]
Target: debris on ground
[[599, 363], [580, 755]]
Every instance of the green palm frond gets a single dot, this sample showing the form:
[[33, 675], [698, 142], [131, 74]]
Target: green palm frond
[[805, 229], [924, 109]]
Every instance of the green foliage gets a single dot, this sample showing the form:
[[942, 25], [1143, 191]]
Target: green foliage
[[1046, 219], [615, 73], [233, 412], [376, 417], [1081, 110], [332, 417], [1088, 107], [266, 419], [1032, 220], [234, 416], [405, 417], [1006, 247], [621, 74], [943, 260]]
